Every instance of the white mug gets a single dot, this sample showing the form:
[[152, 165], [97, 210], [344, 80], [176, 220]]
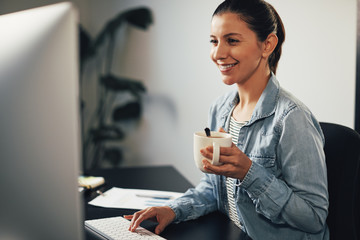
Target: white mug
[[217, 140]]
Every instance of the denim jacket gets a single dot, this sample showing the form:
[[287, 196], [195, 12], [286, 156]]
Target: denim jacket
[[284, 194]]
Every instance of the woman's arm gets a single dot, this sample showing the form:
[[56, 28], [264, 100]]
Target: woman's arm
[[193, 204], [196, 201], [300, 197]]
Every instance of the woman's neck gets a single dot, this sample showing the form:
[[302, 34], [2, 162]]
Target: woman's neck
[[249, 94]]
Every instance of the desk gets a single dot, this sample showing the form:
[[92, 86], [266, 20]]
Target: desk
[[212, 226]]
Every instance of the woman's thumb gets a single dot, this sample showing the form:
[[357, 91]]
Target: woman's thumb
[[159, 229]]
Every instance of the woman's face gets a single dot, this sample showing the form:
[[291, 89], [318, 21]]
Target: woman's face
[[235, 49]]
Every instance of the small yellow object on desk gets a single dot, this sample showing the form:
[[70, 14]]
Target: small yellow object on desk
[[90, 182]]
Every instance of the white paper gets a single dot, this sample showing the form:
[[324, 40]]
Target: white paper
[[133, 198]]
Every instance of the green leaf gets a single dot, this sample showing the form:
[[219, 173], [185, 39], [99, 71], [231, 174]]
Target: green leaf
[[115, 83], [104, 133], [140, 17], [128, 111]]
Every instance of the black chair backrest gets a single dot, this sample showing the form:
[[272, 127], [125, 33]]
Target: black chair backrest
[[342, 151]]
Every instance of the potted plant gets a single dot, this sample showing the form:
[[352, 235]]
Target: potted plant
[[110, 86]]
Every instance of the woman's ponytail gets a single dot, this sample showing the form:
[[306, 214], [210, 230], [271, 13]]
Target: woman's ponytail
[[280, 33]]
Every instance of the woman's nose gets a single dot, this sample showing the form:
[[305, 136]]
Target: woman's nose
[[219, 52]]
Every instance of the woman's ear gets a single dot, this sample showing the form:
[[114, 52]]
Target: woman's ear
[[269, 44]]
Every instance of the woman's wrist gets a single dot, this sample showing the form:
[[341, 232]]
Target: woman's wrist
[[246, 166]]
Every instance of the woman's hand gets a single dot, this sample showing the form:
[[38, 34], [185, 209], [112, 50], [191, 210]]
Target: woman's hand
[[163, 215], [235, 163]]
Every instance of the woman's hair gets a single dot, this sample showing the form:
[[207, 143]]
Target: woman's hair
[[261, 18]]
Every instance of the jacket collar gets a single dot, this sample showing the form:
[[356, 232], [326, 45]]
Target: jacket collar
[[266, 104]]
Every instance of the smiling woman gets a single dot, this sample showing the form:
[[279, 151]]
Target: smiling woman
[[236, 49], [261, 184]]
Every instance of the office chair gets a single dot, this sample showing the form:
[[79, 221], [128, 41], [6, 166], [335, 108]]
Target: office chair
[[342, 152]]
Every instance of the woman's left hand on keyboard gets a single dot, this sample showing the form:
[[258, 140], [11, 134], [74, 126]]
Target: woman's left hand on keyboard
[[163, 215]]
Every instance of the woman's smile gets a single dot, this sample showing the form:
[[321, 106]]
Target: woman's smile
[[224, 68]]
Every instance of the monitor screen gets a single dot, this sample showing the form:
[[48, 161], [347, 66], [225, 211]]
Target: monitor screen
[[40, 145]]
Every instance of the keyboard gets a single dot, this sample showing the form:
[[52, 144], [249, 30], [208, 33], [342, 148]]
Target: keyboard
[[115, 228]]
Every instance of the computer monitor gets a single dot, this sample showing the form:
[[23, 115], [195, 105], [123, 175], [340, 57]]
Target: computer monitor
[[40, 125]]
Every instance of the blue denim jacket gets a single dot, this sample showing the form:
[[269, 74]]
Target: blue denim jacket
[[284, 194]]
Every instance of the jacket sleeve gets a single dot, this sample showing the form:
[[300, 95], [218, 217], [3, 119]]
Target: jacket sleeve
[[299, 197], [196, 201]]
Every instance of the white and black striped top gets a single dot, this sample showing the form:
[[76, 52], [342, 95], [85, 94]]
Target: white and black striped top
[[234, 130]]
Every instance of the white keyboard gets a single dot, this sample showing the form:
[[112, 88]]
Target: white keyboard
[[117, 228]]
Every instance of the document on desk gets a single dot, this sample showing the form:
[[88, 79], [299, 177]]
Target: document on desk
[[133, 198]]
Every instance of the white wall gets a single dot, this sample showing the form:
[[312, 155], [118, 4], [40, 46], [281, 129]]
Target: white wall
[[318, 62], [172, 59]]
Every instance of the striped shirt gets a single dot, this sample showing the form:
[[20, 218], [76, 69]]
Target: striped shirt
[[235, 127]]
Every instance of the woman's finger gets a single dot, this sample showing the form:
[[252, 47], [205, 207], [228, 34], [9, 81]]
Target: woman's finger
[[228, 151], [226, 154], [147, 214], [207, 152], [135, 220], [207, 167], [218, 170], [128, 217], [163, 215]]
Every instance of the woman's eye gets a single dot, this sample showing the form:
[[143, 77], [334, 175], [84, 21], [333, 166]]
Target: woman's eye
[[232, 41], [213, 41]]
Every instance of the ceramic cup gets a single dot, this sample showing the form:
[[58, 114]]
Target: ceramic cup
[[217, 140]]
